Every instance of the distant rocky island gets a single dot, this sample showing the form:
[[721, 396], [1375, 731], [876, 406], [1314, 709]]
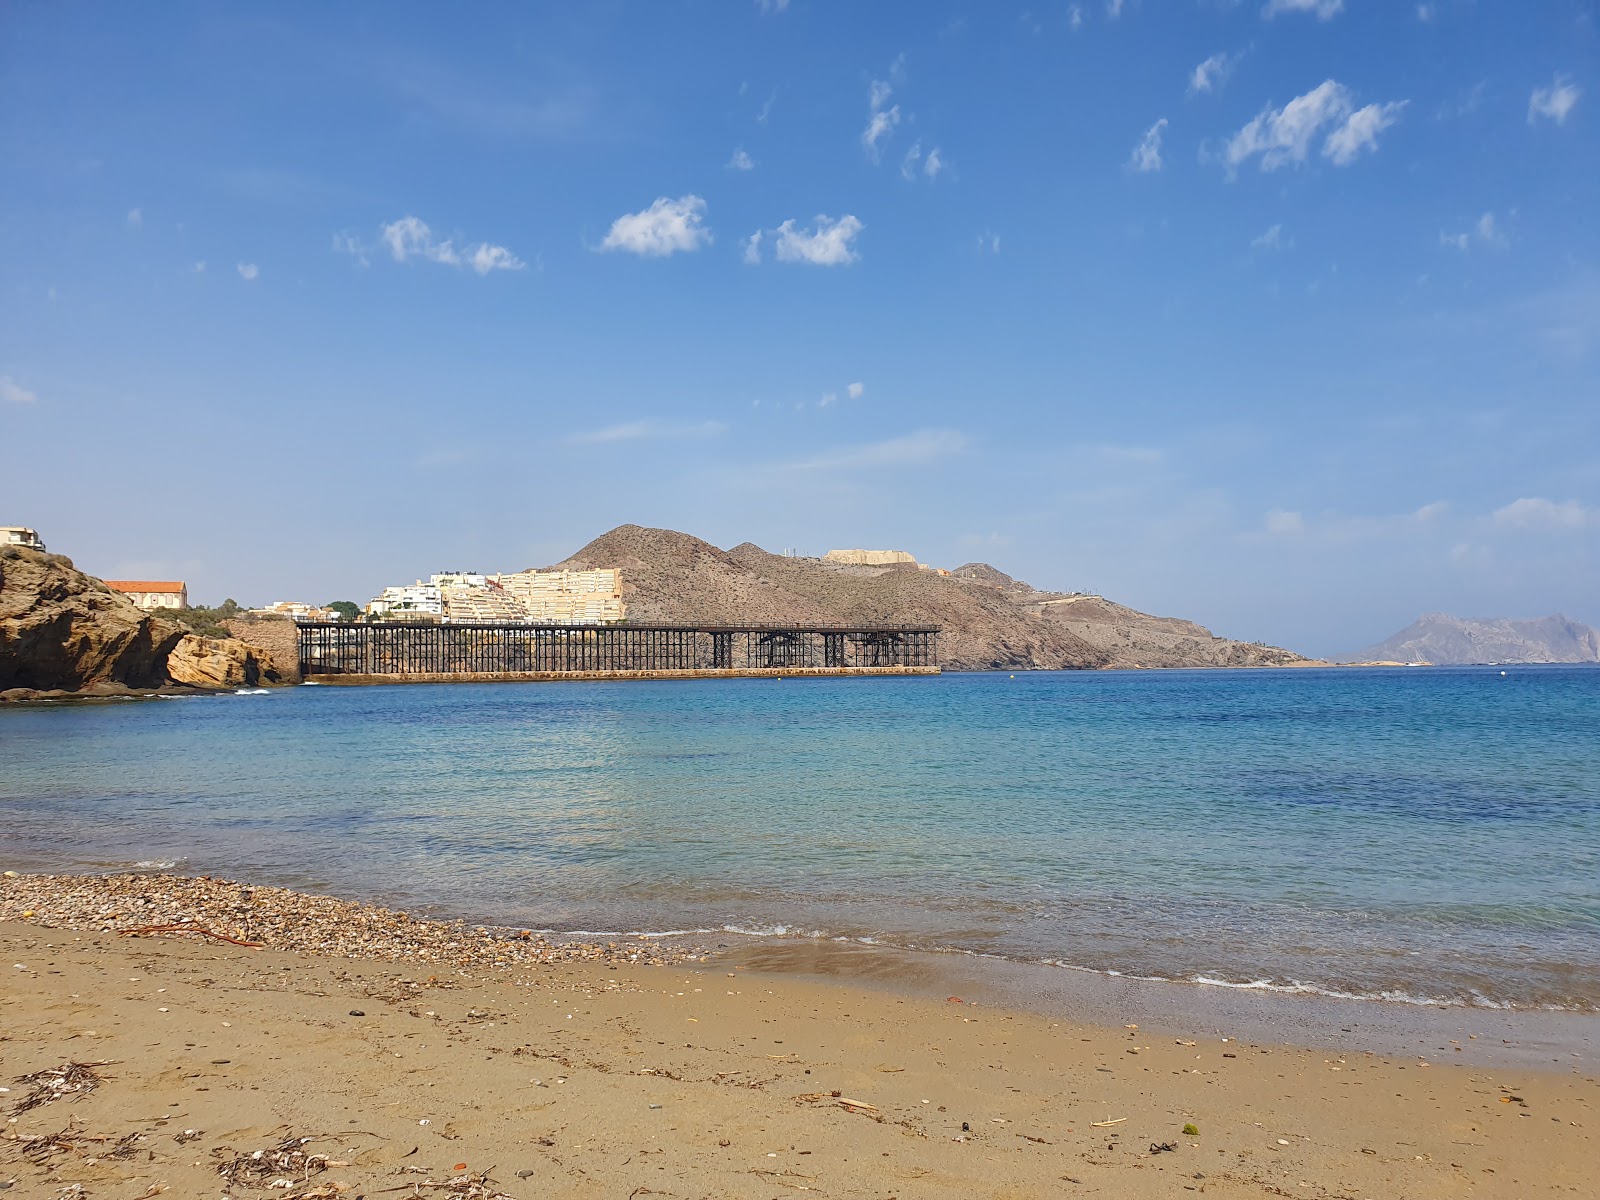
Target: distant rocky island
[[1444, 640], [990, 620]]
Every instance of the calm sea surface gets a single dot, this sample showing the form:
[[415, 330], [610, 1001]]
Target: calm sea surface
[[1421, 834]]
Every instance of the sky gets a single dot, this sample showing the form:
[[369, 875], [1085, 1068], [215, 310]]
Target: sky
[[1279, 315]]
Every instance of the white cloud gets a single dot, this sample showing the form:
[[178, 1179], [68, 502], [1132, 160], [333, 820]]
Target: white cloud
[[828, 399], [1360, 132], [828, 244], [988, 242], [1431, 512], [1075, 17], [349, 243], [924, 446], [411, 237], [1284, 136], [13, 392], [1484, 232], [1326, 10], [880, 124], [248, 271], [200, 267], [486, 258], [1553, 102], [1213, 73], [752, 249], [1147, 154], [1272, 239], [772, 6], [908, 165], [136, 218], [741, 161], [1535, 512], [933, 164], [1114, 8], [1285, 522], [855, 390], [1425, 12], [649, 430], [882, 117], [666, 227]]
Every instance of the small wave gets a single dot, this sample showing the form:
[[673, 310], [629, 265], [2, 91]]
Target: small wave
[[252, 692], [155, 864], [1392, 995], [310, 683]]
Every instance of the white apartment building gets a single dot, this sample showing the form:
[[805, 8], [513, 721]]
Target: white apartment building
[[20, 535], [423, 599]]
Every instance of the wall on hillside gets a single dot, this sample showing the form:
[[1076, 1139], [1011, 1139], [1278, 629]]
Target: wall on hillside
[[280, 639]]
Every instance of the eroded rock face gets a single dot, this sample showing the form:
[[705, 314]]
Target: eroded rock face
[[62, 629], [220, 663]]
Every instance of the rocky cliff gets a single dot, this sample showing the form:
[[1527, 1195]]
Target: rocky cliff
[[1454, 641], [64, 631], [990, 621]]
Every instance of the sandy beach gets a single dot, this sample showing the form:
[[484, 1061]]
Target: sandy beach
[[592, 1075]]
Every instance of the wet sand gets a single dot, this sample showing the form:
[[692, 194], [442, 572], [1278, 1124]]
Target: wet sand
[[592, 1077]]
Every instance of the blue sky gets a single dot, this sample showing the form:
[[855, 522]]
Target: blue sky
[[1283, 315]]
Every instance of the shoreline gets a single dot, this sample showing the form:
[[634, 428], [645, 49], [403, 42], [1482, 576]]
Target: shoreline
[[319, 923], [576, 1072]]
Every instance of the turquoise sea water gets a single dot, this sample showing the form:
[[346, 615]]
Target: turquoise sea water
[[1424, 834]]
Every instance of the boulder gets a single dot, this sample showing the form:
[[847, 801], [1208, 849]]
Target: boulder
[[63, 630], [220, 663]]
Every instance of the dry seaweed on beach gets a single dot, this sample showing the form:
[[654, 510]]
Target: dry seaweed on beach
[[69, 1081], [186, 927], [263, 1168], [475, 1185]]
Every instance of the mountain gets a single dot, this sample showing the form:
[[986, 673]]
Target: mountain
[[1451, 641], [990, 621]]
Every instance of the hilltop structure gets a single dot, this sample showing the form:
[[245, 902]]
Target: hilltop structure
[[20, 535], [151, 594]]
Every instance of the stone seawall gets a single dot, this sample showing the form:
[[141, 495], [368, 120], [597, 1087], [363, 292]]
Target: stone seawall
[[280, 639], [601, 676]]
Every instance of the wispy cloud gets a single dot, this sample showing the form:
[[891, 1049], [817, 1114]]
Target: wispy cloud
[[1147, 154], [1325, 10], [914, 449], [1535, 512], [827, 243], [1360, 132], [915, 163], [248, 271], [136, 218], [666, 227], [988, 242], [741, 161], [411, 238], [1283, 137], [1553, 103], [752, 249], [1210, 75], [855, 390], [13, 392], [1272, 239], [1484, 232], [646, 430], [882, 117], [1285, 522], [772, 7]]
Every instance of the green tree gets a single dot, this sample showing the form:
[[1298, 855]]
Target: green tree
[[347, 609]]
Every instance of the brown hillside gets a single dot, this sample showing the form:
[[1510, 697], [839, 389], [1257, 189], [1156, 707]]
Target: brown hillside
[[990, 621]]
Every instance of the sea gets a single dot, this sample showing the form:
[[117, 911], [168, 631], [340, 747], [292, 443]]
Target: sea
[[1419, 836]]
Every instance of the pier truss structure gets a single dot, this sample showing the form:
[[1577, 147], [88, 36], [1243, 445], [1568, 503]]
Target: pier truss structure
[[393, 652]]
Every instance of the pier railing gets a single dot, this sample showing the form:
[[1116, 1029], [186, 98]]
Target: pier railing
[[425, 648]]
